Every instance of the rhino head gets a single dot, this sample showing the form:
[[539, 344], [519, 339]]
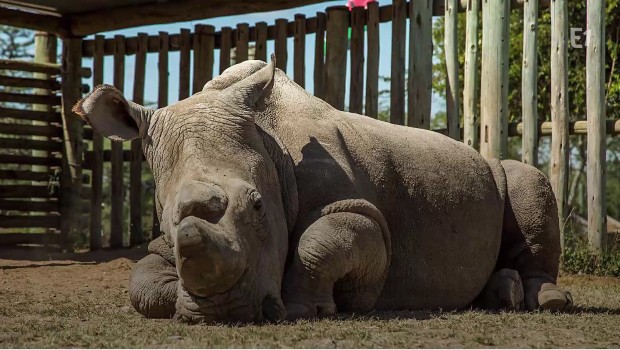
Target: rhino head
[[219, 195]]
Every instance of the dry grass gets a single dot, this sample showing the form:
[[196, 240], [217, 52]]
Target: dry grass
[[81, 303]]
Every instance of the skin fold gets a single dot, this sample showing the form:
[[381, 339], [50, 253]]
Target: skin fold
[[275, 205]]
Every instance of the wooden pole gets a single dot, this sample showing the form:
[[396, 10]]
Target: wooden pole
[[356, 92], [397, 82], [44, 52], [336, 61], [241, 47], [529, 82], [225, 46], [299, 59], [471, 90], [420, 64], [559, 167], [494, 91], [71, 177], [372, 62], [280, 43], [117, 196], [452, 69], [185, 53], [96, 199], [319, 55], [260, 50], [136, 234], [596, 114]]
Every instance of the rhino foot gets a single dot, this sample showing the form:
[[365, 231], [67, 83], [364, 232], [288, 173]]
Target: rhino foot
[[553, 298], [504, 291]]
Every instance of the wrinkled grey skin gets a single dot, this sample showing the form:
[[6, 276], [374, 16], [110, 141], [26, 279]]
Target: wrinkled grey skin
[[274, 205]]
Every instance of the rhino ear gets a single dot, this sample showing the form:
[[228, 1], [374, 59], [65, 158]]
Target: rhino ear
[[257, 87], [108, 112]]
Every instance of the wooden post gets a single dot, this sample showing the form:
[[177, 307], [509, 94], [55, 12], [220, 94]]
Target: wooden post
[[529, 82], [44, 52], [319, 55], [136, 234], [559, 167], [280, 43], [420, 78], [356, 92], [225, 46], [96, 184], [397, 86], [116, 157], [372, 63], [71, 178], [596, 114], [452, 68], [185, 52], [260, 51], [494, 91], [299, 59], [241, 47], [471, 91], [204, 44], [336, 60]]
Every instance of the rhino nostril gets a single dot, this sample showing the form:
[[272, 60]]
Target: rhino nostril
[[202, 200]]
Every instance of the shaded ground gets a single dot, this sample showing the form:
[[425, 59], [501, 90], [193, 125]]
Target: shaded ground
[[80, 300]]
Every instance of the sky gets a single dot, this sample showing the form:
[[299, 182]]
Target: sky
[[269, 17]]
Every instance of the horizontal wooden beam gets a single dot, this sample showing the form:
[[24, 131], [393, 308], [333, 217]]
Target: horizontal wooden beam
[[25, 175], [34, 21], [37, 67], [43, 116], [30, 130], [27, 191], [47, 84], [25, 221], [579, 127], [29, 206], [29, 144], [29, 160], [11, 239], [51, 100]]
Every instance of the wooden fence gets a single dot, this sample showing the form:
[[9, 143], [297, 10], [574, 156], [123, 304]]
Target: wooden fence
[[487, 129]]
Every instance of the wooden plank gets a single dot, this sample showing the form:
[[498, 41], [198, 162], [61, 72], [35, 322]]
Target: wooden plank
[[28, 191], [529, 80], [494, 90], [30, 130], [26, 175], [29, 144], [420, 77], [241, 47], [372, 63], [50, 117], [225, 48], [452, 68], [356, 92], [117, 196], [96, 200], [29, 66], [397, 82], [136, 235], [47, 84], [24, 221], [29, 160], [29, 206], [319, 56], [560, 147], [260, 50], [281, 48], [199, 62], [596, 114], [471, 90], [579, 127], [184, 62], [299, 58], [336, 60], [51, 100], [12, 239]]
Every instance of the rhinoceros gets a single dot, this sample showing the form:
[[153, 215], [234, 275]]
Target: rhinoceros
[[274, 205]]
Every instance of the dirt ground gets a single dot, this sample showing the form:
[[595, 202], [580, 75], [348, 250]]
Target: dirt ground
[[81, 300]]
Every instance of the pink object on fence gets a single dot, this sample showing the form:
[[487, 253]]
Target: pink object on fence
[[358, 3]]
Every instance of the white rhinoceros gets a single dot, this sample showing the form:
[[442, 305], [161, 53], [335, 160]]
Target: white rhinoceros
[[273, 204]]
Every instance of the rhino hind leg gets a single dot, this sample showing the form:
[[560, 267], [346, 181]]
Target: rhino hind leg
[[340, 260], [153, 282], [503, 291], [531, 237]]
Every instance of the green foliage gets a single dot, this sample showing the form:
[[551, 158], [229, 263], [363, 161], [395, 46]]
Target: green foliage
[[579, 259]]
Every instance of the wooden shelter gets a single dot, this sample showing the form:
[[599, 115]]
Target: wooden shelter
[[486, 129]]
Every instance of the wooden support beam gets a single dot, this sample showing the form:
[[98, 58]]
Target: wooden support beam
[[50, 100], [117, 196], [31, 130], [356, 85], [47, 84], [28, 144], [559, 165], [242, 42], [35, 67], [71, 175], [28, 191], [260, 50], [596, 116], [397, 82], [96, 166], [12, 239], [28, 205], [529, 79], [34, 21], [336, 58], [281, 47], [452, 69], [420, 77], [51, 117], [27, 221], [184, 62], [319, 56], [372, 61], [225, 47], [299, 58], [471, 90], [494, 91]]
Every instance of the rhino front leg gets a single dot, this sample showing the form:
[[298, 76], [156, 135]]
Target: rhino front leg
[[153, 282], [342, 260]]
